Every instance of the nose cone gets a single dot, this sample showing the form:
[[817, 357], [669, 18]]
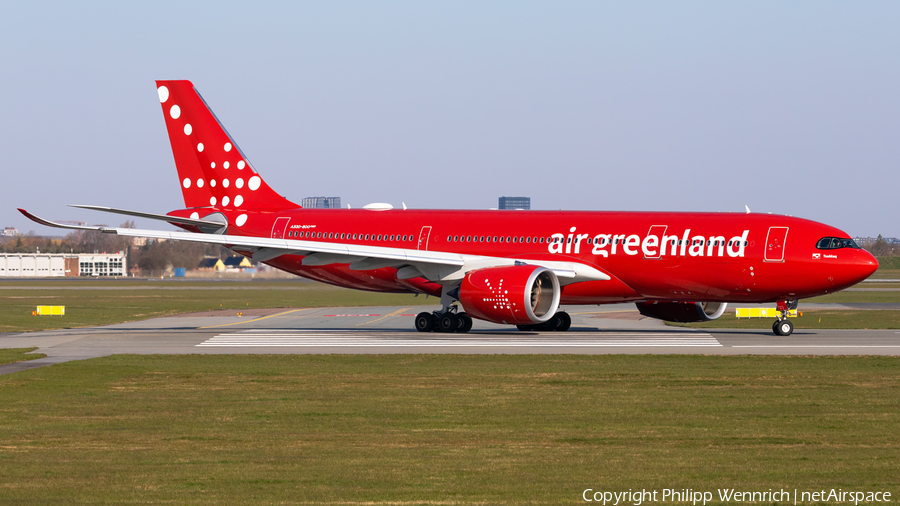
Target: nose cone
[[855, 266], [868, 263]]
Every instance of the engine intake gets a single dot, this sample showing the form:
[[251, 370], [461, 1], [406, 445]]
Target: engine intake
[[683, 312], [516, 295]]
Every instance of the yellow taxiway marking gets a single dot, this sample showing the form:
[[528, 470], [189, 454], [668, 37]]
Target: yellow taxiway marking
[[395, 313], [256, 319]]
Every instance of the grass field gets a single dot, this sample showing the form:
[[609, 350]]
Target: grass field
[[13, 355], [87, 307], [872, 319], [427, 429]]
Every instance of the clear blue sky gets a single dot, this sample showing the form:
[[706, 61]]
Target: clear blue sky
[[788, 107]]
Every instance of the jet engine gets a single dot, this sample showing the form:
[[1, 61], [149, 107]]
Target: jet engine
[[516, 295], [683, 312]]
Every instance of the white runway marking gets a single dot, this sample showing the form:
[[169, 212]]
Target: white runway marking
[[350, 338], [819, 346]]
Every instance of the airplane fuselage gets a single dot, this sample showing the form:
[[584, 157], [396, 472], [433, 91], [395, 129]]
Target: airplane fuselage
[[722, 257]]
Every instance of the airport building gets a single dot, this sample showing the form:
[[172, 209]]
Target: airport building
[[102, 264], [321, 203], [34, 265], [41, 265], [515, 203]]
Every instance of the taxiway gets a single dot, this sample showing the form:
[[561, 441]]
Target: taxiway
[[595, 330]]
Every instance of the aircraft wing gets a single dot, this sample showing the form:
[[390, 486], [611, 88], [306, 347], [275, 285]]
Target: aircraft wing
[[436, 266]]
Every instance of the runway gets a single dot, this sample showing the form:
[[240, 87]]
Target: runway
[[380, 330]]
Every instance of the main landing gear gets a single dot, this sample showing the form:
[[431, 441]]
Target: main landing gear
[[783, 326], [449, 321], [560, 322]]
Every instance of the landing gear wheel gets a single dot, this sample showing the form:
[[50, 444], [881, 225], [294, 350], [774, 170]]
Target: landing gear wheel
[[448, 323], [425, 322], [783, 328], [559, 322], [465, 323], [565, 321]]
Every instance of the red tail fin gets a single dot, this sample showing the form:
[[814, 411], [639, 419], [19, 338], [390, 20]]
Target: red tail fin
[[212, 169]]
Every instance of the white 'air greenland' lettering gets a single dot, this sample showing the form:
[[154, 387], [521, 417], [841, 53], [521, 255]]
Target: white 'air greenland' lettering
[[650, 245]]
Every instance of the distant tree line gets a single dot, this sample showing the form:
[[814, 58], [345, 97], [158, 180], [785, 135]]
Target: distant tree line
[[881, 248]]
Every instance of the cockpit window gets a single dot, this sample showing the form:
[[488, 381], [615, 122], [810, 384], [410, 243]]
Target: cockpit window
[[835, 243]]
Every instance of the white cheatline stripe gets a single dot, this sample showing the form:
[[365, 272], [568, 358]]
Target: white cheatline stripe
[[394, 340]]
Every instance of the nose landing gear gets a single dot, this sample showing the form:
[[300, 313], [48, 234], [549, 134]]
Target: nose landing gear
[[783, 326]]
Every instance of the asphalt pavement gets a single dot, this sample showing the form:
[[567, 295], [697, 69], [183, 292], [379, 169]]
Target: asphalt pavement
[[616, 328]]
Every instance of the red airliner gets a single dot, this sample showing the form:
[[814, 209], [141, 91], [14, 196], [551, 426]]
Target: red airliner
[[508, 267]]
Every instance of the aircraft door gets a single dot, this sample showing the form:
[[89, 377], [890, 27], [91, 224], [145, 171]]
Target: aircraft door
[[279, 227], [775, 241], [659, 231], [423, 238]]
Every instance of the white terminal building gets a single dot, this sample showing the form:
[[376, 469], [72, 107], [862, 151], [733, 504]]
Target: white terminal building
[[39, 265]]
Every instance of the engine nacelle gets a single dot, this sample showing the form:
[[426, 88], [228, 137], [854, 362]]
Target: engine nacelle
[[514, 295], [684, 312]]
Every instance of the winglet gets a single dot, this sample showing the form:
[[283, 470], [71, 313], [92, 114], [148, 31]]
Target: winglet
[[49, 223], [747, 208]]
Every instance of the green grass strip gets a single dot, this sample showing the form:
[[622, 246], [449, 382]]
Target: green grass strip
[[449, 429], [13, 355], [88, 308]]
